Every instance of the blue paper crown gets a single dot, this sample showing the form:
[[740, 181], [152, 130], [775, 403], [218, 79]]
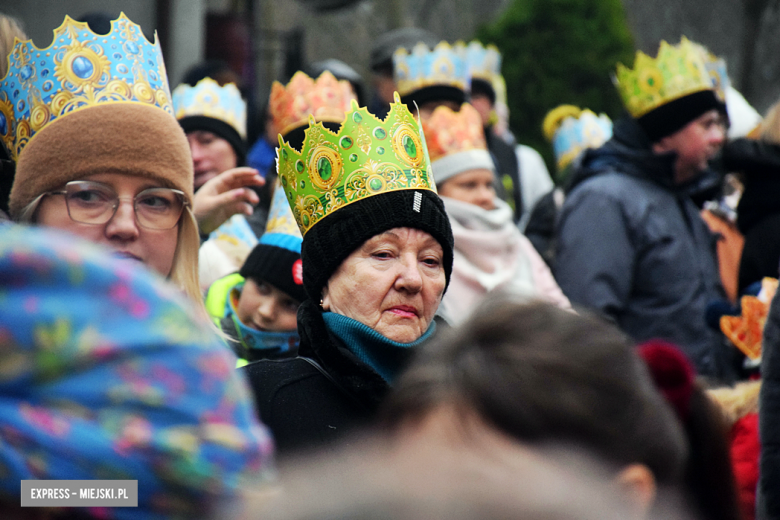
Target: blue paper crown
[[78, 70], [483, 62], [281, 230], [209, 99], [576, 134], [444, 65]]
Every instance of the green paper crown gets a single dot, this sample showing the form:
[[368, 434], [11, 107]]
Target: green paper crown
[[678, 70], [366, 157]]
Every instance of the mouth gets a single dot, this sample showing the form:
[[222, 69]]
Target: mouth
[[404, 311], [126, 255]]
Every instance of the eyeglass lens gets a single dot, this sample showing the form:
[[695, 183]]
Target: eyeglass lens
[[95, 203]]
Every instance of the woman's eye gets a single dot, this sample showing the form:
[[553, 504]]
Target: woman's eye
[[89, 197], [432, 262], [381, 254], [155, 202]]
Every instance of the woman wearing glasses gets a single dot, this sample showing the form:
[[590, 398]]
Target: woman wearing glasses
[[98, 150]]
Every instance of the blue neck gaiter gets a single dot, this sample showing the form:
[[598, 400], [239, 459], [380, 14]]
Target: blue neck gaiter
[[385, 356]]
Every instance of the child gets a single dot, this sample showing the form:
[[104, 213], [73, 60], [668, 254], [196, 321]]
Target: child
[[257, 306]]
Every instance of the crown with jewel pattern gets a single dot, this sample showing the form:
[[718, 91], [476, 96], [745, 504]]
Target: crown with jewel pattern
[[677, 71], [448, 132], [326, 98], [444, 65], [716, 68], [366, 157], [209, 99], [483, 62], [572, 130], [78, 70]]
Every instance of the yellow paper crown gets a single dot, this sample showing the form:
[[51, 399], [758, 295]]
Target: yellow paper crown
[[448, 132], [678, 71], [367, 157], [327, 99]]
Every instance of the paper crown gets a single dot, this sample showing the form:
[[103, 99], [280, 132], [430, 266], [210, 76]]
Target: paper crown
[[367, 157], [483, 62], [327, 99], [445, 65], [678, 71], [572, 130], [448, 132], [716, 69], [281, 230], [78, 70], [209, 99]]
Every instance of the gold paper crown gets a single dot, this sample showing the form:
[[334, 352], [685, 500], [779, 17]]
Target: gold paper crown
[[327, 99], [209, 99], [367, 157], [677, 71], [448, 132]]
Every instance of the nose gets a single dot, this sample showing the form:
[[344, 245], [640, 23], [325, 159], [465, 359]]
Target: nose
[[409, 277], [122, 225], [196, 150], [485, 196], [267, 310]]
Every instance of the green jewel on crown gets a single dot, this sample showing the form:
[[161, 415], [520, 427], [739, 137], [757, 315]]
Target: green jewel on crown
[[366, 157], [678, 71]]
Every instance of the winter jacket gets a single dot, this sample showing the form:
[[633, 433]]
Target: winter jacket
[[769, 414], [631, 245], [319, 397]]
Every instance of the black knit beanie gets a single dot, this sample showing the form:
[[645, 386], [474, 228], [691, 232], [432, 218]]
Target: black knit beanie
[[220, 129], [331, 240], [434, 93], [278, 266], [671, 117]]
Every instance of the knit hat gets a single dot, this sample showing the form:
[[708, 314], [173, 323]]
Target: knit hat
[[672, 373], [347, 187], [71, 112], [277, 258], [213, 108], [456, 142]]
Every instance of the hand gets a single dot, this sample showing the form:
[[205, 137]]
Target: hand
[[224, 196]]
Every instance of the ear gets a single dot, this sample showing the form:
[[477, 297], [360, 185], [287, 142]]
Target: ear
[[325, 300], [639, 484], [662, 146]]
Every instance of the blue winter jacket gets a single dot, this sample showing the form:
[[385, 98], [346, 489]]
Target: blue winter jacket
[[631, 245]]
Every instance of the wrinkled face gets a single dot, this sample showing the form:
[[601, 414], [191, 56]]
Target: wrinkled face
[[695, 144], [264, 307], [211, 155], [393, 283], [153, 247], [472, 186]]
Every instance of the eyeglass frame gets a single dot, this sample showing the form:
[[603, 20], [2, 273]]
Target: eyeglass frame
[[116, 201]]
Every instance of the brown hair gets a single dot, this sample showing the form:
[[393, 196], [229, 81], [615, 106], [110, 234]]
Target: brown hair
[[546, 376], [770, 126]]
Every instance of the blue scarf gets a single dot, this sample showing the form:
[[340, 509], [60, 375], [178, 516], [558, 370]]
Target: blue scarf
[[385, 356]]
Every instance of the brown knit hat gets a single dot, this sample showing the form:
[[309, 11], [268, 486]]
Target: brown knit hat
[[123, 137]]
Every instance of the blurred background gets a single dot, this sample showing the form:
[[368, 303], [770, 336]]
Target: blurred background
[[555, 51]]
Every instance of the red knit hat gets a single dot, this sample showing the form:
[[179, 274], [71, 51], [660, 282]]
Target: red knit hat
[[672, 373]]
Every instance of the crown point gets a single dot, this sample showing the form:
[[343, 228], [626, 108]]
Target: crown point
[[353, 105], [396, 97]]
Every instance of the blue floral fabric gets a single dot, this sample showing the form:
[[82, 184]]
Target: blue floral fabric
[[106, 372]]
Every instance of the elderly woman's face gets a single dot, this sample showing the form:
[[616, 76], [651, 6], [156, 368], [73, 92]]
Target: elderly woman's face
[[393, 283], [153, 247]]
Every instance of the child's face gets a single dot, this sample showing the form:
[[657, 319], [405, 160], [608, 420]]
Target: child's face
[[264, 307]]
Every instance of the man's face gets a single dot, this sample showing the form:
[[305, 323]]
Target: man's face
[[695, 144]]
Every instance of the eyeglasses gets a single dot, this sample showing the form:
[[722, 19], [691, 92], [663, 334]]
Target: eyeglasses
[[91, 202]]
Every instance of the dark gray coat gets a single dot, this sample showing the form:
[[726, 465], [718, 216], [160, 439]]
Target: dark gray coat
[[631, 245]]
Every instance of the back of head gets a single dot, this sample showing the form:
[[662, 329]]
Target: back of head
[[542, 375]]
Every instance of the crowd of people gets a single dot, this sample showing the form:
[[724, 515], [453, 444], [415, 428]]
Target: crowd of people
[[384, 307]]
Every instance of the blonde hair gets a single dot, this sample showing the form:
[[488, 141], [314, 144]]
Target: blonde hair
[[10, 28], [770, 126]]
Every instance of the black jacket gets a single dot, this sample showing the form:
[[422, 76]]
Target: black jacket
[[631, 244], [319, 397]]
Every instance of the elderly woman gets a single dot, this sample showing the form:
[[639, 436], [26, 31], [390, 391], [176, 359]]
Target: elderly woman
[[377, 257], [98, 151]]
